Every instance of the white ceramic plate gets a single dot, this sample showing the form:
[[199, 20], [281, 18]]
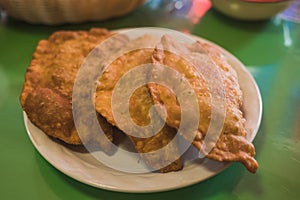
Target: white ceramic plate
[[80, 165]]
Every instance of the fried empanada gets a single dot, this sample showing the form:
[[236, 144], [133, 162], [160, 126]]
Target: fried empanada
[[47, 93], [139, 106], [192, 61]]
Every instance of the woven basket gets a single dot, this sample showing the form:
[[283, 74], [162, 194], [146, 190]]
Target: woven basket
[[54, 12]]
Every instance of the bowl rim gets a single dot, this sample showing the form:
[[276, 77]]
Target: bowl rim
[[266, 2]]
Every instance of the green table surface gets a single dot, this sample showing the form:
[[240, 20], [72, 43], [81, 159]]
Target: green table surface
[[270, 50]]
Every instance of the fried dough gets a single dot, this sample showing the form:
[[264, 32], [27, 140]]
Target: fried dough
[[232, 144], [47, 93], [48, 90], [139, 105]]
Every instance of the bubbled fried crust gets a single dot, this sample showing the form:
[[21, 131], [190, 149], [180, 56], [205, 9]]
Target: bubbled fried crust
[[47, 92], [232, 144], [139, 106]]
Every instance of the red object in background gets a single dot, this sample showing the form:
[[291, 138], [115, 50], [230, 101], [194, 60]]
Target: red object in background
[[198, 9]]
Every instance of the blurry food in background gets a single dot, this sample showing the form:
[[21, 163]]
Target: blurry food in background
[[251, 9], [67, 11]]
